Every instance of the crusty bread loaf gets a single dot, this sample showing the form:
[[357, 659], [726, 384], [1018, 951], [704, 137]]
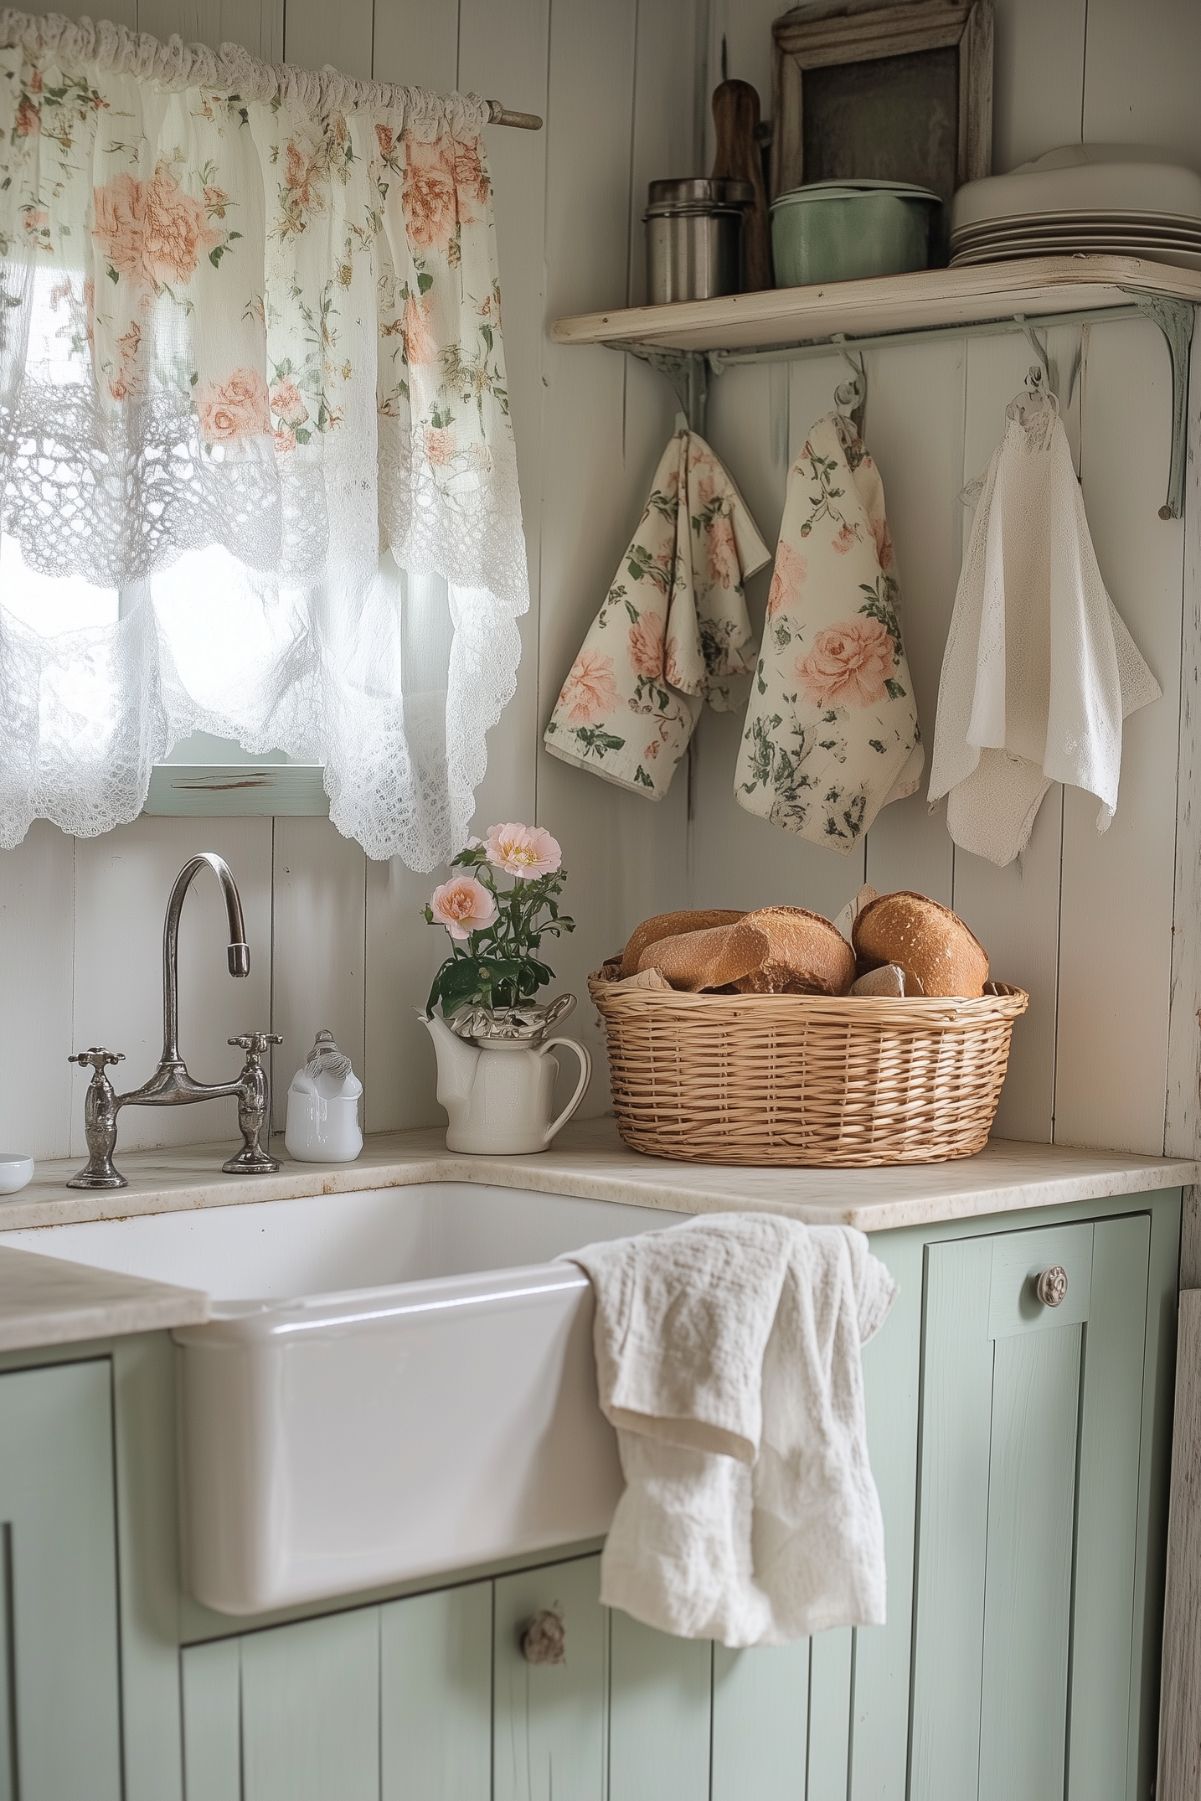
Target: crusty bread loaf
[[930, 943], [714, 957], [805, 954], [670, 925]]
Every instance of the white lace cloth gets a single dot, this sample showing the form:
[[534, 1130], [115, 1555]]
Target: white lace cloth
[[1039, 670], [254, 427]]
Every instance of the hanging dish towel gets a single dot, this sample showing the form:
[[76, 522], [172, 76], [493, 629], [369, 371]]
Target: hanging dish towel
[[831, 731], [728, 1360], [672, 632], [1039, 671]]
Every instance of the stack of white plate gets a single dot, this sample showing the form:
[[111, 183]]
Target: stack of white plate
[[1085, 199]]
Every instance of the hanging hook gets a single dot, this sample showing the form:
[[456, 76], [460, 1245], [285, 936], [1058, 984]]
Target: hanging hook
[[852, 394]]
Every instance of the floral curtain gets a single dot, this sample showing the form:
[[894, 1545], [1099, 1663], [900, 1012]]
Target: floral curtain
[[252, 394]]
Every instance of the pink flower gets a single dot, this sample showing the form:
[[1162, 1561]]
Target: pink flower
[[671, 668], [235, 408], [722, 551], [439, 445], [385, 137], [848, 665], [150, 230], [428, 195], [843, 540], [790, 571], [420, 345], [287, 402], [465, 160], [590, 690], [883, 537], [463, 906], [525, 851], [36, 82], [35, 218], [28, 121], [646, 645]]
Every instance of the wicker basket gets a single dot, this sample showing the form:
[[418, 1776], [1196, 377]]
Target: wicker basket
[[805, 1079]]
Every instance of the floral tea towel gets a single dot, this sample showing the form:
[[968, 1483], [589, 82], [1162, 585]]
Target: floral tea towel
[[831, 730], [672, 632]]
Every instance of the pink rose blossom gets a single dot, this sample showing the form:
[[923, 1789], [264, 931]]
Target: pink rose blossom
[[525, 851], [590, 690], [419, 341], [235, 408], [28, 121], [428, 195], [150, 230], [848, 665], [843, 540], [287, 402], [463, 906], [790, 572], [646, 645], [883, 537], [439, 445]]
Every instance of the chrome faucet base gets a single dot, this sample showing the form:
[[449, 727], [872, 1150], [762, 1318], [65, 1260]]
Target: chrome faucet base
[[98, 1178], [251, 1161]]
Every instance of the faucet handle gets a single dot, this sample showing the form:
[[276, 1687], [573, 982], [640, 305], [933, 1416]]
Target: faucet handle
[[255, 1043], [97, 1056]]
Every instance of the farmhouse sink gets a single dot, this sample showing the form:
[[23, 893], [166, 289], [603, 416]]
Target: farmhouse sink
[[395, 1383]]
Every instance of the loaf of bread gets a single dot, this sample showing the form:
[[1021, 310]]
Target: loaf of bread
[[805, 954], [670, 925], [929, 942], [713, 957]]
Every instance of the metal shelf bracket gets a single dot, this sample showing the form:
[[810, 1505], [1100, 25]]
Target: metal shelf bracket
[[689, 371]]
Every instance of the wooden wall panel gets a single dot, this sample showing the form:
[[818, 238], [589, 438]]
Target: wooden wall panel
[[37, 894], [318, 946], [1140, 76]]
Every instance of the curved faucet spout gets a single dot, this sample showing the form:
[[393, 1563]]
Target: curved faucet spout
[[239, 950]]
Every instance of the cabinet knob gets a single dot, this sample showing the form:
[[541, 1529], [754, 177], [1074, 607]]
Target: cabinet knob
[[1052, 1285], [544, 1638]]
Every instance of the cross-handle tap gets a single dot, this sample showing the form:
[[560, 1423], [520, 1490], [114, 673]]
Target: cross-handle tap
[[99, 1119], [254, 1106]]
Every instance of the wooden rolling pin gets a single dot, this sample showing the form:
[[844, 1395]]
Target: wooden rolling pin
[[737, 157]]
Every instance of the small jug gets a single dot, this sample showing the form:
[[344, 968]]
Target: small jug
[[498, 1091], [323, 1107]]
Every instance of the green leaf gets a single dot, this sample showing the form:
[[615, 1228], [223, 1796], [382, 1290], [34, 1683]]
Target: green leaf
[[425, 282]]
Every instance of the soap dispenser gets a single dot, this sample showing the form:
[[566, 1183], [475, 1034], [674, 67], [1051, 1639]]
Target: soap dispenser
[[323, 1107]]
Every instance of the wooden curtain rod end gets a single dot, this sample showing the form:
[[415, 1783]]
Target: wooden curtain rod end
[[501, 115]]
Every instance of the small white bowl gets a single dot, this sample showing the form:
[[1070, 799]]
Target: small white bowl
[[16, 1169]]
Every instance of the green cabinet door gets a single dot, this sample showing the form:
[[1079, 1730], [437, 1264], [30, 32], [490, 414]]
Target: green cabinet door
[[60, 1736], [1028, 1529]]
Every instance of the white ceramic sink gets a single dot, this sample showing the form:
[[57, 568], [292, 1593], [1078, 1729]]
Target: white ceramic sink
[[395, 1383]]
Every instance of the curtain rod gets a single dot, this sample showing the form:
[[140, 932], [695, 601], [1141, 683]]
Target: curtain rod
[[519, 121]]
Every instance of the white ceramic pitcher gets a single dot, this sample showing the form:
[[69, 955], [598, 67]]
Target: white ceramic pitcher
[[498, 1093]]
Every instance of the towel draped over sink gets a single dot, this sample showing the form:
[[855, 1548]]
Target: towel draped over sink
[[673, 631], [728, 1360]]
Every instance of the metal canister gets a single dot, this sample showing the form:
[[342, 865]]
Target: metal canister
[[694, 237]]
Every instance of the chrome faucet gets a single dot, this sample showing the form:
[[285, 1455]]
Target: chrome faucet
[[171, 1085]]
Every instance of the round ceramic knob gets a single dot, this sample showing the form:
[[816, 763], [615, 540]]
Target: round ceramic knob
[[1052, 1285], [544, 1638]]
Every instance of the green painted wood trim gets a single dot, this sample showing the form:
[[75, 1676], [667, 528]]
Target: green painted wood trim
[[829, 1762], [211, 1685], [549, 1721], [660, 1701], [435, 1693], [311, 1710], [760, 1723], [236, 790]]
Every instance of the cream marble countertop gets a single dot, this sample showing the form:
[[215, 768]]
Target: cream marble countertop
[[589, 1159], [46, 1301]]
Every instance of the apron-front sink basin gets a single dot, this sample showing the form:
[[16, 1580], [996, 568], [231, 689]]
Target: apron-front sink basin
[[394, 1383]]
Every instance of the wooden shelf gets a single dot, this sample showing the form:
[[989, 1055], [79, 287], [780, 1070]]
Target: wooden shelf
[[925, 301]]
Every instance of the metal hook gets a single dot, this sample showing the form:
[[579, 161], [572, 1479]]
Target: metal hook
[[852, 394]]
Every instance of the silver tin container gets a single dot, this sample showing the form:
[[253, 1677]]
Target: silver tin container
[[694, 237]]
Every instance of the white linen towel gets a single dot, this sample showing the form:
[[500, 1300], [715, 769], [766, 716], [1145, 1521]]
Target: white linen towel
[[1039, 670], [728, 1359]]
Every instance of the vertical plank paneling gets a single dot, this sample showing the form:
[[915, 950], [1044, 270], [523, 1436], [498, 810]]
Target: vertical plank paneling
[[922, 472], [1015, 910], [1038, 77], [252, 23], [1031, 1500], [318, 949], [760, 1723], [891, 1379], [587, 490], [416, 46], [1111, 1061], [952, 1550], [1180, 1731], [1138, 77], [310, 1710], [659, 1713], [9, 1773], [1107, 1529], [316, 33], [210, 1680], [121, 886], [549, 1741], [436, 1696], [829, 1715], [36, 956]]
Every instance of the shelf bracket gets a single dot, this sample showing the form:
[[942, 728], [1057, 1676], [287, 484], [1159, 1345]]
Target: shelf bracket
[[686, 370], [1175, 321]]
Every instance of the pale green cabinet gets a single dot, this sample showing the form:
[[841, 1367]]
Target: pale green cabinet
[[60, 1730]]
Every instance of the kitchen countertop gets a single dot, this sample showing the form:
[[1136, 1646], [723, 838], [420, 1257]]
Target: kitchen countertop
[[47, 1301]]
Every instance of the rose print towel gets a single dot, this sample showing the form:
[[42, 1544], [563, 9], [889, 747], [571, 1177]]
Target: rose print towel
[[831, 731], [672, 633]]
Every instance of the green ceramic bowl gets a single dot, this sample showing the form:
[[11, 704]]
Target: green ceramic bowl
[[844, 231]]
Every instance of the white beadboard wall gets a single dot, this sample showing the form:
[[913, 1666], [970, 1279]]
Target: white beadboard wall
[[337, 940], [1103, 929]]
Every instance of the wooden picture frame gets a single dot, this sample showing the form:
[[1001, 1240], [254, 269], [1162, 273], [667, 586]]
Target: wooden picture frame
[[839, 114]]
